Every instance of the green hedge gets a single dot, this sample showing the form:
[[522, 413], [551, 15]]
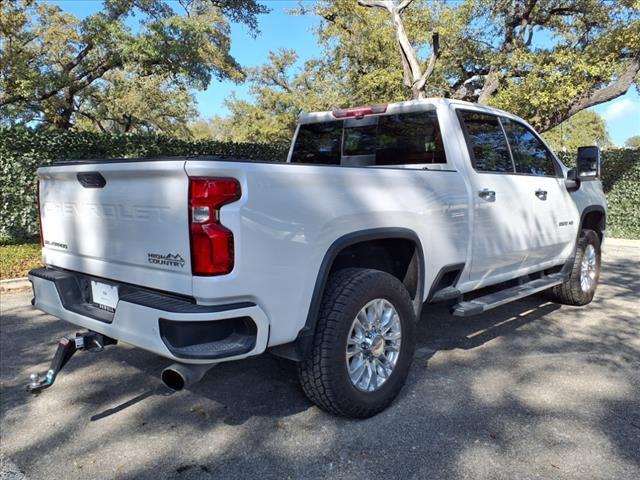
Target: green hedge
[[23, 150], [621, 183]]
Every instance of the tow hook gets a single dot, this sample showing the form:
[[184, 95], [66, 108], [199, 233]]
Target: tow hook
[[88, 341]]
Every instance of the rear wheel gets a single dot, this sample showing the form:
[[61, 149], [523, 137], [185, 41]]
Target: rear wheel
[[581, 286], [363, 345]]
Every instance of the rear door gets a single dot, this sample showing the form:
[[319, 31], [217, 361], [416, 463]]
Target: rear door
[[502, 217], [553, 211], [122, 221]]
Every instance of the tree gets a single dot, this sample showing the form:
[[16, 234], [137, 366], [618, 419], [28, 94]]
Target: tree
[[415, 76], [487, 51], [280, 93], [123, 102], [633, 142], [584, 128], [99, 72]]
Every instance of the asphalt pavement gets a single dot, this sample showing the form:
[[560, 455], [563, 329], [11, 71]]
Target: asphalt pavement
[[529, 390]]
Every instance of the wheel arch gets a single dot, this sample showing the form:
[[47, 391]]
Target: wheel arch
[[594, 217], [369, 237]]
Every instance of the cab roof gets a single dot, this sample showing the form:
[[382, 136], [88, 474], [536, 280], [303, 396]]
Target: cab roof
[[398, 107]]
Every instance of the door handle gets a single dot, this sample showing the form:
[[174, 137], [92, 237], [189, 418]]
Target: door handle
[[541, 194], [487, 194]]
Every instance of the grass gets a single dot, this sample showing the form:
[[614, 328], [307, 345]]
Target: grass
[[16, 259]]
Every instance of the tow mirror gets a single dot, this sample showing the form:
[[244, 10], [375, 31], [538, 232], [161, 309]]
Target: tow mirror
[[588, 164], [572, 181]]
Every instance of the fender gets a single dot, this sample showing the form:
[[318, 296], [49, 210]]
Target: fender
[[566, 269], [593, 208], [305, 337]]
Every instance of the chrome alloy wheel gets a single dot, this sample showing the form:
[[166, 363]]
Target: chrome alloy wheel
[[588, 269], [373, 346]]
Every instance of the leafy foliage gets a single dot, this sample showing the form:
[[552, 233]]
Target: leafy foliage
[[621, 184], [22, 151], [16, 259], [281, 92], [129, 67], [584, 128], [544, 60], [632, 142]]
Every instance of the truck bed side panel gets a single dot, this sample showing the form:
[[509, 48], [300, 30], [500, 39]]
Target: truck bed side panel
[[289, 215]]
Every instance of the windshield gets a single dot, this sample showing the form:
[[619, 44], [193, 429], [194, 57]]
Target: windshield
[[399, 139]]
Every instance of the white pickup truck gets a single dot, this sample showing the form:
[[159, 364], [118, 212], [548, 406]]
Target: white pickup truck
[[327, 259]]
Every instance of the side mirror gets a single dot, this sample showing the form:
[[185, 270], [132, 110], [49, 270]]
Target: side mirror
[[588, 164], [572, 181]]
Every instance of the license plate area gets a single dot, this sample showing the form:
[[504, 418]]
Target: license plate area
[[104, 295]]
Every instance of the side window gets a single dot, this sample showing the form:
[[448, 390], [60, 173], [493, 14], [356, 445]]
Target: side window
[[409, 138], [318, 143], [529, 154], [486, 142]]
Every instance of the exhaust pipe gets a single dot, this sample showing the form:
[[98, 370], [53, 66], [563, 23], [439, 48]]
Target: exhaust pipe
[[181, 375]]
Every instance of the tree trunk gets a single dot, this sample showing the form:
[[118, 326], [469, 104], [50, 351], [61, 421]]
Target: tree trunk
[[63, 119], [415, 77]]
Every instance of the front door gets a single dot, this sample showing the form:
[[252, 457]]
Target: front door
[[554, 214]]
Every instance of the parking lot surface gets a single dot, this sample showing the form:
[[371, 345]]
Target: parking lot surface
[[529, 390]]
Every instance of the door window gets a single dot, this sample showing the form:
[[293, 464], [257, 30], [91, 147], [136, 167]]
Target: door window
[[486, 142], [530, 155]]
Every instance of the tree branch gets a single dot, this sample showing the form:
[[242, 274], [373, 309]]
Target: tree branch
[[611, 91], [414, 77], [387, 5], [435, 53], [331, 18], [404, 4]]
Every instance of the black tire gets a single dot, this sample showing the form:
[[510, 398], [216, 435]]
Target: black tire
[[323, 373], [571, 291]]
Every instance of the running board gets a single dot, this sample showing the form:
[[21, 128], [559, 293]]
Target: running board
[[493, 300]]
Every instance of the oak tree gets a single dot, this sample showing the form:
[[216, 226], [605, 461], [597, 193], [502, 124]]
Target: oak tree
[[130, 65]]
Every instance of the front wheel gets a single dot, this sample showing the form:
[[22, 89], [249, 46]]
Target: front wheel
[[581, 286], [363, 346]]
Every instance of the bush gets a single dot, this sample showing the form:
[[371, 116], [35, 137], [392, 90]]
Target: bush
[[22, 151]]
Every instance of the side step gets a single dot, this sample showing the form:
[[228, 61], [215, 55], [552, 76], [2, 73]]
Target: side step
[[493, 300], [448, 293]]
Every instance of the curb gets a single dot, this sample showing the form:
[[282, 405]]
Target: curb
[[15, 285], [620, 242], [19, 284]]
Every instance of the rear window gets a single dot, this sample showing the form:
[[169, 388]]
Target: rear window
[[400, 139], [318, 143], [486, 141]]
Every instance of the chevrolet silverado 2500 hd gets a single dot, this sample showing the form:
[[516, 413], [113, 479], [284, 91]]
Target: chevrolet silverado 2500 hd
[[326, 259]]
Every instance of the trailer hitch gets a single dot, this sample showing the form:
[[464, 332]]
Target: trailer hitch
[[88, 341]]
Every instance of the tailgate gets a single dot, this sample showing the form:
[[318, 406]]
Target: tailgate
[[125, 221]]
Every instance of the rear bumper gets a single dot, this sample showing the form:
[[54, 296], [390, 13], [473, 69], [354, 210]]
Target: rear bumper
[[171, 327]]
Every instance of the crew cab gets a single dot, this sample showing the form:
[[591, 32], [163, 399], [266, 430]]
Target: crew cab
[[327, 259]]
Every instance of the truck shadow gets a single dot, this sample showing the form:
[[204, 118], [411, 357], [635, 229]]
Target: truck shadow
[[267, 386], [439, 330], [118, 394]]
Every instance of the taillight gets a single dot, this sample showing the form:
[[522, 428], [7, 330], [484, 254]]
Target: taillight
[[39, 213], [211, 243]]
